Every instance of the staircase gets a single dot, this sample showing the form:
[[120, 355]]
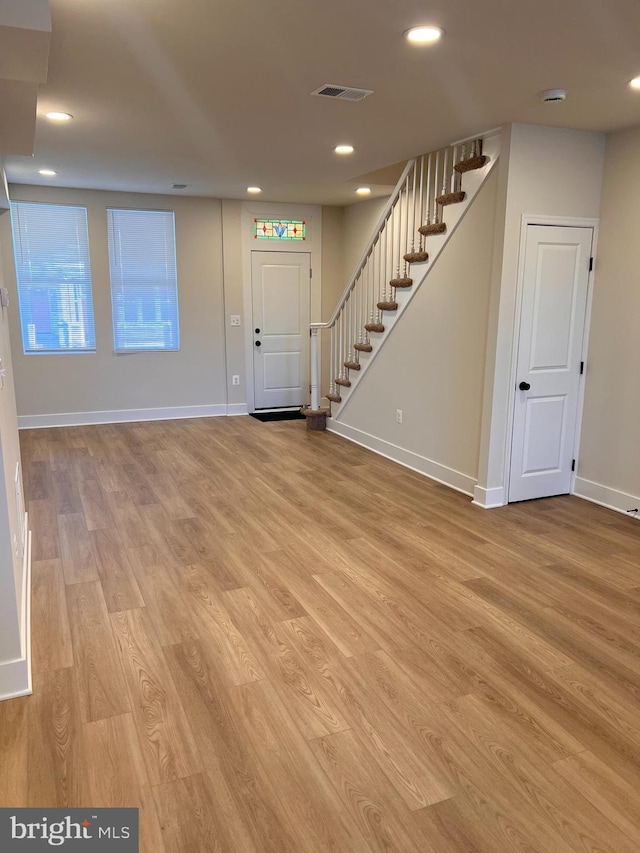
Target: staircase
[[430, 199]]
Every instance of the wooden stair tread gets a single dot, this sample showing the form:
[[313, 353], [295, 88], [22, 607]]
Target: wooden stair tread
[[433, 228], [345, 382], [451, 198], [416, 257], [403, 281], [472, 163], [374, 327], [352, 365], [334, 398], [388, 306], [363, 348]]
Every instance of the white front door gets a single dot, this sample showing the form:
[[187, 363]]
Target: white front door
[[556, 276], [280, 284]]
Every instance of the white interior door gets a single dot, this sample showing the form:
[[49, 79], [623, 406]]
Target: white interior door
[[280, 284], [556, 276]]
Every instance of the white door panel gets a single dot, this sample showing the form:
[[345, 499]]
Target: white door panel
[[281, 299], [543, 416], [556, 275]]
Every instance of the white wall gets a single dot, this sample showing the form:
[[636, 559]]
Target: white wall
[[550, 172], [431, 366], [358, 223], [14, 668], [609, 463], [102, 381]]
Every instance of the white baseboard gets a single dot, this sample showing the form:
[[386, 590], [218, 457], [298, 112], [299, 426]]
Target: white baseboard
[[234, 409], [116, 416], [489, 498], [606, 496], [407, 458], [15, 675]]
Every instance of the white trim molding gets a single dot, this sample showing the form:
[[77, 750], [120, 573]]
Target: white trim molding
[[607, 497], [15, 675], [118, 416], [407, 458], [489, 498], [234, 409]]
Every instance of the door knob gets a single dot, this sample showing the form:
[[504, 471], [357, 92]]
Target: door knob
[[524, 386], [257, 331], [258, 343]]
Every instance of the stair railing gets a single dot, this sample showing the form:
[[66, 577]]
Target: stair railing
[[384, 265]]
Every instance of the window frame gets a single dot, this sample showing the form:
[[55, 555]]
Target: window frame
[[16, 236], [113, 286]]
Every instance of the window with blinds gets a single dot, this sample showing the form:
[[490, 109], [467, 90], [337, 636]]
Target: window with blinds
[[144, 285], [51, 246]]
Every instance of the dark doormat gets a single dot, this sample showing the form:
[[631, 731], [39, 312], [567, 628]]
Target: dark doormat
[[295, 415]]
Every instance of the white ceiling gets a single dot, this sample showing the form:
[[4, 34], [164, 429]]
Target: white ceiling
[[215, 93]]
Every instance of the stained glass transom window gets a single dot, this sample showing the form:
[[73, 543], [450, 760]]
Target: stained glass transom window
[[279, 229]]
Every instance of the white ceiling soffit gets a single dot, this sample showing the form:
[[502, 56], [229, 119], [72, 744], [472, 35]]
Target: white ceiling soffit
[[216, 95], [25, 33]]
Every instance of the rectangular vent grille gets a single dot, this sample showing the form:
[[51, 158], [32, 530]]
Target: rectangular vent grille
[[344, 93]]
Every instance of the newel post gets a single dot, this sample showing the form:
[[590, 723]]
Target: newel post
[[315, 372], [316, 417]]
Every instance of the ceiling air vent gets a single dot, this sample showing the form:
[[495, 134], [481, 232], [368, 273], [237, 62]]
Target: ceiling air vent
[[180, 186], [343, 93]]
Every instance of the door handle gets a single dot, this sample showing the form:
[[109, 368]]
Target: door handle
[[258, 343], [524, 386]]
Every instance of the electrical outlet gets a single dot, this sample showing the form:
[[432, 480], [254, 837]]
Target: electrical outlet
[[398, 416], [235, 379], [235, 320]]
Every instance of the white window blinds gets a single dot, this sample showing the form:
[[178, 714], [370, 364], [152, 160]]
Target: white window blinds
[[51, 246], [144, 286]]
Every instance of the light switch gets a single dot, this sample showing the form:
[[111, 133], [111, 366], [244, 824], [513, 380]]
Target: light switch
[[235, 320]]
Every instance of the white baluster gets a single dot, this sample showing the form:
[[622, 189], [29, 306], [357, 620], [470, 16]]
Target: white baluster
[[406, 226], [340, 349], [374, 283], [421, 202], [444, 171], [414, 200], [454, 174], [436, 212]]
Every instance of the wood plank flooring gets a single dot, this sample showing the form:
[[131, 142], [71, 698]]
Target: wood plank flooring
[[272, 641]]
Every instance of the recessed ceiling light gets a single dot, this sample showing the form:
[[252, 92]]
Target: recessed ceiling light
[[423, 35], [343, 149], [254, 189], [54, 116], [635, 83], [363, 190], [48, 172]]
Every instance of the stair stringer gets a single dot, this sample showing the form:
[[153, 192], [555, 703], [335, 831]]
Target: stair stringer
[[453, 216]]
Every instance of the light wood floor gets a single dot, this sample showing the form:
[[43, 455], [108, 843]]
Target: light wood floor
[[272, 640]]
